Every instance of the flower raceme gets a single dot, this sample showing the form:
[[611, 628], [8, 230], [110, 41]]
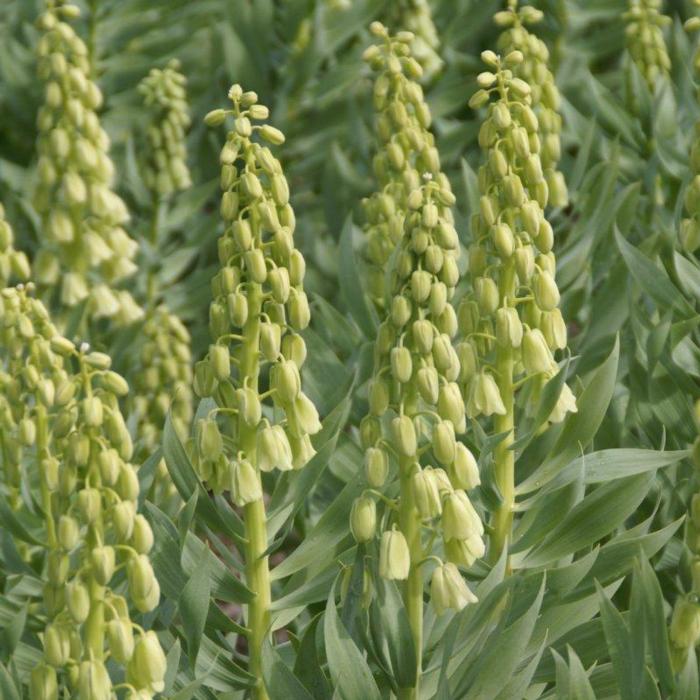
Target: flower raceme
[[164, 95], [84, 247], [510, 323], [416, 414], [406, 149], [80, 448], [259, 308], [645, 39], [544, 95]]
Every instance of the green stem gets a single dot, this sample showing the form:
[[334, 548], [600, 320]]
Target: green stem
[[257, 563], [409, 523], [504, 457]]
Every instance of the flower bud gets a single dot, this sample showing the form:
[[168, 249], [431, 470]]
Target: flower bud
[[220, 361], [123, 516], [449, 590], [553, 329], [428, 383], [394, 557], [484, 397], [422, 332], [443, 442], [363, 519], [685, 624], [204, 380], [102, 562], [306, 415], [401, 364], [404, 435], [464, 471], [486, 293], [78, 600], [90, 504], [535, 352], [249, 406], [209, 443], [509, 329], [503, 240], [148, 663], [142, 536], [68, 532], [43, 684], [143, 585], [465, 552], [421, 281], [287, 381], [545, 291], [400, 311], [459, 519], [525, 264], [245, 483], [120, 637], [426, 495], [376, 466], [56, 645]]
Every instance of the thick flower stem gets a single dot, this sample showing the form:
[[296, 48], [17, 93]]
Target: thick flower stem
[[257, 564], [409, 524], [504, 457]]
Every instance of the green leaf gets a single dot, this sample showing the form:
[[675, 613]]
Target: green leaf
[[10, 520], [579, 685], [651, 278], [351, 675], [627, 669], [279, 680], [389, 611], [349, 280], [655, 620], [606, 508], [8, 689], [194, 606]]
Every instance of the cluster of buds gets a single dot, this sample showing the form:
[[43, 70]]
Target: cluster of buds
[[84, 248], [162, 383], [14, 264], [645, 39], [417, 410], [690, 224], [81, 449], [407, 149], [544, 95], [512, 309], [164, 94], [258, 310], [259, 307], [416, 16]]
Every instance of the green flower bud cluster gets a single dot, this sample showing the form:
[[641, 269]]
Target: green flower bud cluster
[[14, 264], [645, 39], [544, 95], [30, 374], [690, 224], [417, 410], [258, 310], [510, 322], [406, 149], [416, 16], [164, 93], [513, 304], [162, 383], [72, 427], [85, 250]]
